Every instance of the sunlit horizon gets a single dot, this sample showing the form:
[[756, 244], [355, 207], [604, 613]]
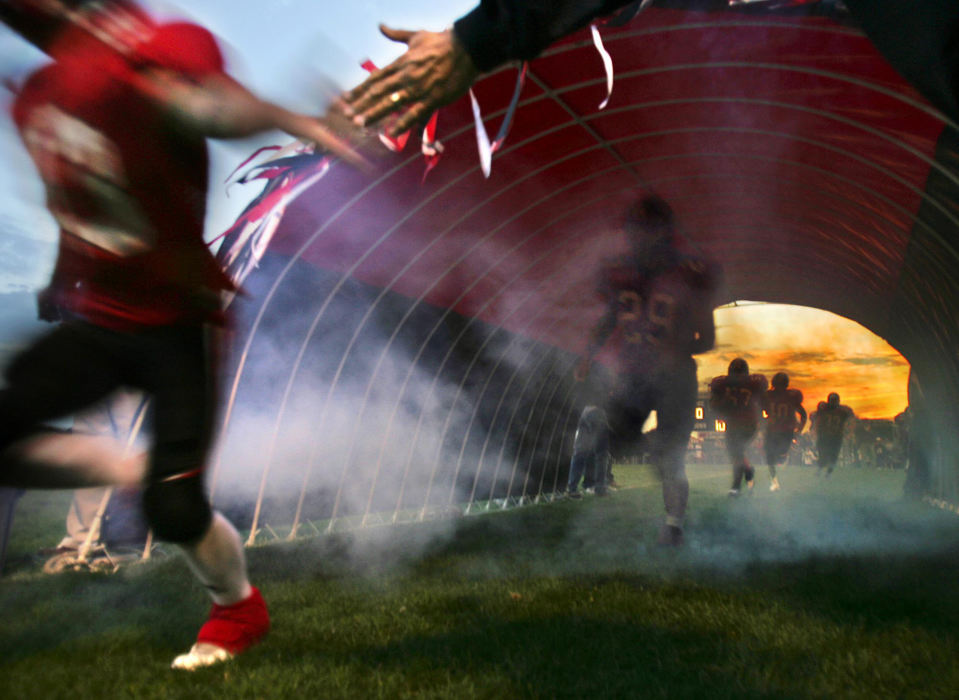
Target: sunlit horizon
[[820, 351]]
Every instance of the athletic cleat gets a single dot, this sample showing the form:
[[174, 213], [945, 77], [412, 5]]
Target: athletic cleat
[[201, 656], [733, 493], [575, 494], [670, 536], [774, 484], [230, 630]]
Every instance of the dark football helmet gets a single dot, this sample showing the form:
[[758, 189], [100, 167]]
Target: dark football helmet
[[738, 368], [649, 229], [651, 211], [780, 380], [833, 399]]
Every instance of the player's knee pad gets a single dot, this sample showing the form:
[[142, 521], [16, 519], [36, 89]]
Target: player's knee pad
[[178, 510]]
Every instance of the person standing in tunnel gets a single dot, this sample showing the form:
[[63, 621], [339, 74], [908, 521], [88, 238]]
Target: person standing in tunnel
[[117, 127], [830, 423], [737, 397], [661, 300], [115, 416], [920, 441], [785, 419], [590, 453]]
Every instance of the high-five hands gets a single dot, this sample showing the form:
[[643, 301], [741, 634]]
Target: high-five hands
[[434, 71]]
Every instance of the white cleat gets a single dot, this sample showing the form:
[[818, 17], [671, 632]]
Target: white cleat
[[774, 486], [201, 655]]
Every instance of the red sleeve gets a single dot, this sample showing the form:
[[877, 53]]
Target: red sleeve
[[183, 47]]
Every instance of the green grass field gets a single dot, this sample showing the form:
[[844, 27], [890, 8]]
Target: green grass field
[[827, 589]]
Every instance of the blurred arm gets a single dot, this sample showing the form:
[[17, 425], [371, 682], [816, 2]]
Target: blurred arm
[[217, 106], [604, 328]]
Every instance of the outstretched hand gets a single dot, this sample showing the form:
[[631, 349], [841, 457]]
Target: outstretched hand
[[325, 134], [434, 71]]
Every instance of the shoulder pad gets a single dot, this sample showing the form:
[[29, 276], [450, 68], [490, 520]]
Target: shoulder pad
[[699, 273], [616, 273]]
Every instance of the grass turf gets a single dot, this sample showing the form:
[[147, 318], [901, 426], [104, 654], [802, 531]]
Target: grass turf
[[827, 589]]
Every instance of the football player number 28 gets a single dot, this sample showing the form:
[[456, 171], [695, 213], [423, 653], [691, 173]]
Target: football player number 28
[[657, 323]]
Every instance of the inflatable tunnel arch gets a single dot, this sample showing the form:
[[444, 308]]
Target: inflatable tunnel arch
[[446, 310]]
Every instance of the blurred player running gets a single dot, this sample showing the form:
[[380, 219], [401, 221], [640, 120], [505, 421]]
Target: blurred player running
[[116, 126], [829, 423], [783, 406], [662, 301], [737, 397]]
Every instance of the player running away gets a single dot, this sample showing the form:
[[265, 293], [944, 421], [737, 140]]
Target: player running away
[[116, 125], [829, 423], [661, 301], [785, 419], [737, 397]]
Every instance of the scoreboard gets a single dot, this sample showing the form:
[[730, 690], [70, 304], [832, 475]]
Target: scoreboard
[[706, 420]]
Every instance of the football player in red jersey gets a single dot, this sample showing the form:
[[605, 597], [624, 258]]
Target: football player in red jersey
[[116, 125], [829, 423], [737, 397], [782, 406], [661, 300]]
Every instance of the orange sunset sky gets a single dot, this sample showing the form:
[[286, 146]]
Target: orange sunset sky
[[820, 351]]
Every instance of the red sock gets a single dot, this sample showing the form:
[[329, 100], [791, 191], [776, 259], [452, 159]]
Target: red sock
[[236, 627]]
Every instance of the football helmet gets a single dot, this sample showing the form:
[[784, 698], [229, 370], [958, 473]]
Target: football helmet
[[649, 228], [780, 380], [650, 212], [738, 368]]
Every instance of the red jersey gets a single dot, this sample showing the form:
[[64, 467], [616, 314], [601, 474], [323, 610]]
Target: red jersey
[[739, 400], [782, 407], [830, 421], [127, 188], [661, 313]]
